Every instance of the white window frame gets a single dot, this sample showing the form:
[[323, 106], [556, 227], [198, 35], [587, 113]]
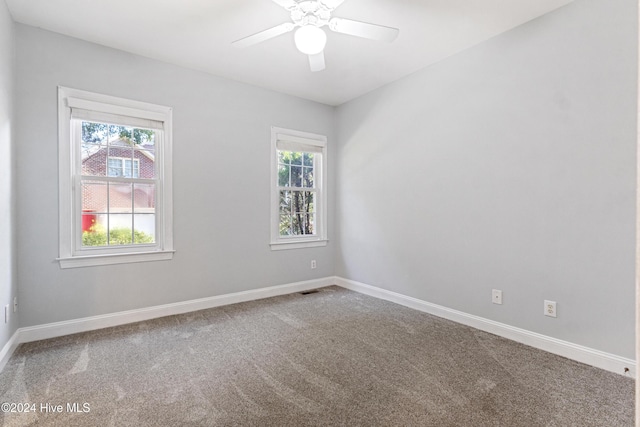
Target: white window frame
[[72, 254], [292, 138]]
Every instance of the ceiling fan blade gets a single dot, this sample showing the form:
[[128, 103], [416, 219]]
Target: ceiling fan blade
[[287, 4], [363, 29], [331, 4], [264, 35], [316, 62]]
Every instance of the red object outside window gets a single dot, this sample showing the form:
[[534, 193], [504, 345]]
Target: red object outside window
[[87, 220]]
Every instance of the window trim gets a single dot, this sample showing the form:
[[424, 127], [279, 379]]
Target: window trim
[[70, 256], [302, 138]]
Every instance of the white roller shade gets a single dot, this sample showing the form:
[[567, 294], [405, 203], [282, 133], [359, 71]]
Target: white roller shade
[[293, 143], [96, 112]]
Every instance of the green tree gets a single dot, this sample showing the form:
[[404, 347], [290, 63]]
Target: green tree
[[93, 132]]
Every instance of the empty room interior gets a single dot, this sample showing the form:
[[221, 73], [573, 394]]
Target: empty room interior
[[318, 212]]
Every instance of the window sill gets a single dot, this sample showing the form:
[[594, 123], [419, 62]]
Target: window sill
[[281, 246], [124, 258]]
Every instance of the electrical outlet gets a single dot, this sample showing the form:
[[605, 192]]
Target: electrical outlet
[[496, 296], [550, 308], [313, 263], [15, 304]]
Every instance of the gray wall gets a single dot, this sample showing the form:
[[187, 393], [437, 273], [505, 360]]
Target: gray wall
[[221, 182], [8, 283], [511, 165]]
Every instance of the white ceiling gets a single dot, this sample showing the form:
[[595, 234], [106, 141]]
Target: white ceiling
[[198, 34]]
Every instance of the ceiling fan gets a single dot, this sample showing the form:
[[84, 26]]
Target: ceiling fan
[[309, 16]]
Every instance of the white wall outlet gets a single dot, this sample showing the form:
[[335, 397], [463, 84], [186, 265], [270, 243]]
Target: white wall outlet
[[550, 308], [313, 263], [6, 313], [496, 296], [15, 304]]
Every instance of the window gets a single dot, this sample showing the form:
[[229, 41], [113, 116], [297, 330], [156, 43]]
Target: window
[[123, 167], [115, 180], [298, 182]]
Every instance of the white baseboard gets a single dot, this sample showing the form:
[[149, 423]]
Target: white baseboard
[[599, 359], [589, 356], [8, 349], [57, 329]]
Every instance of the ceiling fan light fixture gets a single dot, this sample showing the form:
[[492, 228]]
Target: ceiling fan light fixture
[[310, 39]]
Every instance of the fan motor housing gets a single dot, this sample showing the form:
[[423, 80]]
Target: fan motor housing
[[310, 12]]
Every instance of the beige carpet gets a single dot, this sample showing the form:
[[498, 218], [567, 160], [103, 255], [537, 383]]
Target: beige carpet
[[334, 357]]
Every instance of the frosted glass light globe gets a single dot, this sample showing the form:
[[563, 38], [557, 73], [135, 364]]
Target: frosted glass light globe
[[310, 39]]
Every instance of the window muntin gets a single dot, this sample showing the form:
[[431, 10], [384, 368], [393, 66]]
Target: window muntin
[[298, 183], [115, 181]]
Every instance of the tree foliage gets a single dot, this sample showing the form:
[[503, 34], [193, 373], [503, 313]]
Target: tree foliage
[[97, 236], [93, 132]]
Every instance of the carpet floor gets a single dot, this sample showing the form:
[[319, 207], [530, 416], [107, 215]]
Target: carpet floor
[[331, 358]]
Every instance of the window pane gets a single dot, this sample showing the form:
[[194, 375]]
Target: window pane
[[310, 223], [94, 148], [114, 132], [285, 202], [94, 133], [120, 147], [296, 201], [144, 198], [285, 225], [120, 198], [120, 229], [283, 175], [308, 159], [303, 201], [303, 223], [89, 221], [303, 212], [145, 163], [144, 228], [143, 137], [94, 196], [121, 135], [296, 158], [307, 177], [283, 157], [120, 154], [296, 176], [94, 160], [302, 218], [309, 201], [297, 224], [94, 230], [144, 220]]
